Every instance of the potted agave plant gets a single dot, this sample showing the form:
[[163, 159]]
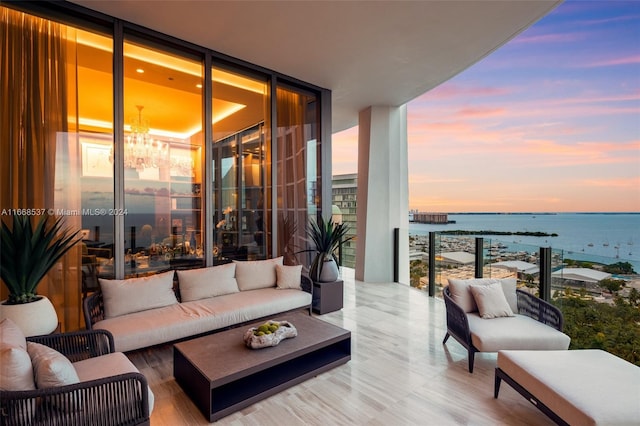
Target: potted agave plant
[[27, 252], [327, 236]]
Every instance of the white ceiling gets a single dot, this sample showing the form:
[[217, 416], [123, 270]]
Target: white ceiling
[[366, 52]]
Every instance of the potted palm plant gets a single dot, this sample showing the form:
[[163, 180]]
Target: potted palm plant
[[327, 236], [27, 252]]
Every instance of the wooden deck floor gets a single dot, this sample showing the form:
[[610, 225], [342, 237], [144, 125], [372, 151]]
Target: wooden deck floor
[[399, 374]]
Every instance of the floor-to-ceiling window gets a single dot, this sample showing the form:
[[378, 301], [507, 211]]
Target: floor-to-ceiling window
[[240, 142], [56, 127], [132, 161], [298, 193], [163, 158]]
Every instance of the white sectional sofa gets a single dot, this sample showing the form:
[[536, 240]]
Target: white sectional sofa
[[148, 311]]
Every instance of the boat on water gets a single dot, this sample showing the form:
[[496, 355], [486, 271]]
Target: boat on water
[[590, 244]]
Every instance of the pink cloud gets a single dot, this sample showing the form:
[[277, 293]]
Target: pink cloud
[[550, 38], [452, 90], [628, 60]]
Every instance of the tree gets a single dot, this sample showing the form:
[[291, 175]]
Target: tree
[[634, 297], [619, 268], [612, 284]]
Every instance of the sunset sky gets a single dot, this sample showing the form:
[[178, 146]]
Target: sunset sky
[[548, 122]]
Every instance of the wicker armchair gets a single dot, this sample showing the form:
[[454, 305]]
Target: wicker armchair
[[528, 305], [121, 399]]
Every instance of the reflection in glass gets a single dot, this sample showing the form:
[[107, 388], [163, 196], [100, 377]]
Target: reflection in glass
[[239, 143], [163, 160], [298, 193]]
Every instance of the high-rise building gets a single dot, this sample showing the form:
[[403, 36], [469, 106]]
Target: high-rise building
[[344, 195]]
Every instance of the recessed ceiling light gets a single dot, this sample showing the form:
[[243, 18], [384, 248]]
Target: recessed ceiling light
[[140, 71], [199, 86]]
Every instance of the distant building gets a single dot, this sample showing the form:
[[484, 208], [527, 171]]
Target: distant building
[[421, 217], [344, 195]]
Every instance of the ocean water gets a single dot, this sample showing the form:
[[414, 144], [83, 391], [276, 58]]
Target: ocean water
[[601, 237]]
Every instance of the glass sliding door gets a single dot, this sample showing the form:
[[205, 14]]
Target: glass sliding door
[[163, 159], [239, 120], [298, 194]]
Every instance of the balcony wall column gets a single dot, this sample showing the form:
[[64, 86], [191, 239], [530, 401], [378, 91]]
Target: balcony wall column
[[383, 194]]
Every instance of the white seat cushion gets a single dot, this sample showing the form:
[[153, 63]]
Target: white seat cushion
[[583, 387], [516, 333], [106, 366], [147, 328]]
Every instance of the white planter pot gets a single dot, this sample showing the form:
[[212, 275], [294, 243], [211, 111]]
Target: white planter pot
[[330, 271], [34, 318]]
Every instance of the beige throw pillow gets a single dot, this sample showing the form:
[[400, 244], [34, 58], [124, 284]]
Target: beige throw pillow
[[11, 336], [255, 274], [491, 300], [461, 293], [16, 372], [137, 294], [196, 284], [289, 276], [50, 367]]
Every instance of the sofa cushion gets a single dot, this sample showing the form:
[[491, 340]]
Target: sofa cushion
[[106, 366], [491, 300], [16, 371], [50, 367], [137, 294], [289, 276], [11, 336], [152, 327], [207, 282], [461, 294], [255, 274], [518, 332]]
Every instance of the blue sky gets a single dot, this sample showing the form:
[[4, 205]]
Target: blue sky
[[548, 122]]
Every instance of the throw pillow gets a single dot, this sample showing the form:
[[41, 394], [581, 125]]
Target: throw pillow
[[288, 276], [196, 284], [50, 367], [16, 372], [461, 294], [509, 288], [137, 294], [255, 274], [491, 300], [11, 336]]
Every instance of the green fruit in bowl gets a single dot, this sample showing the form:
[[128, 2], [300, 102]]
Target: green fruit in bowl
[[273, 328]]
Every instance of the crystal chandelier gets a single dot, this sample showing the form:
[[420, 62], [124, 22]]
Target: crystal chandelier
[[142, 151]]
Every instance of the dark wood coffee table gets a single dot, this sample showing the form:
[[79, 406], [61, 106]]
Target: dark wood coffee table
[[221, 375]]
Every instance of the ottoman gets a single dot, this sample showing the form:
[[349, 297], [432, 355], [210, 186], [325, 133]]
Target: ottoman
[[577, 387]]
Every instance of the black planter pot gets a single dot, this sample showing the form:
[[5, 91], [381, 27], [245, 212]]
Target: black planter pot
[[327, 296]]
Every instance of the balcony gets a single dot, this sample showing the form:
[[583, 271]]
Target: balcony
[[599, 298], [400, 373]]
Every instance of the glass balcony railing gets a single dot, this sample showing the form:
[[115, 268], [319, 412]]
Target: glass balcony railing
[[599, 296]]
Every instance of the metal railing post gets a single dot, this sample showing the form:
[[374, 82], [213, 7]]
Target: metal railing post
[[432, 264], [545, 273], [479, 257], [396, 255]]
